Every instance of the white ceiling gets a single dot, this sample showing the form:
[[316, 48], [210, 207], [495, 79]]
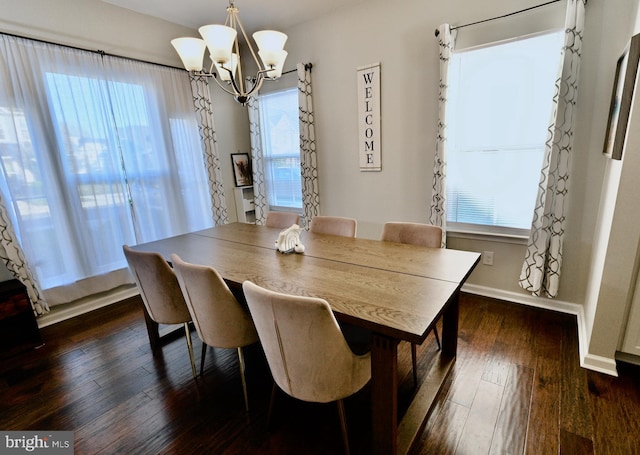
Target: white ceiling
[[254, 14]]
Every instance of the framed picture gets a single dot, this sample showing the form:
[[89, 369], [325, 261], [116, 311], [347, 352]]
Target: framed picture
[[623, 86], [242, 169]]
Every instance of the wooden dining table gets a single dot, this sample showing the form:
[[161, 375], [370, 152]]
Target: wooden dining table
[[396, 291]]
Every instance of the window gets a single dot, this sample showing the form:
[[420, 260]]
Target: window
[[96, 153], [498, 111], [281, 147]]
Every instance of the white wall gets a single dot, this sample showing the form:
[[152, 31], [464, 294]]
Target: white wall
[[616, 245], [93, 24], [401, 37]]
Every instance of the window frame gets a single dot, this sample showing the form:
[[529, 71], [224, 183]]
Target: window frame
[[485, 231], [268, 159]]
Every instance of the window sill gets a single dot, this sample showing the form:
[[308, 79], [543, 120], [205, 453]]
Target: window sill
[[470, 234], [279, 208]]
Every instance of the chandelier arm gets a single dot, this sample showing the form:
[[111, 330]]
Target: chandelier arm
[[231, 11], [233, 19], [265, 74], [236, 92], [253, 54], [215, 77], [213, 65], [256, 86], [239, 69], [239, 90]]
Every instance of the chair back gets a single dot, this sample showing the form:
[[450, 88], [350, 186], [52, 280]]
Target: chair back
[[335, 225], [158, 286], [217, 315], [282, 220], [305, 348], [413, 233]]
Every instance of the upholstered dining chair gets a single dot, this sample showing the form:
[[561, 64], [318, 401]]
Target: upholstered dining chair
[[335, 225], [219, 318], [160, 293], [414, 234], [282, 220], [307, 354]]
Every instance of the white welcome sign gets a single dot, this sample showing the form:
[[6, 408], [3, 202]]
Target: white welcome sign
[[369, 117]]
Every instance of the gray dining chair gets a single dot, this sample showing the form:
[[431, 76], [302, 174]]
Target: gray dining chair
[[418, 234], [218, 317], [307, 354], [335, 225], [161, 295]]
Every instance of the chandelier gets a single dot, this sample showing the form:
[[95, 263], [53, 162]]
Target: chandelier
[[224, 52]]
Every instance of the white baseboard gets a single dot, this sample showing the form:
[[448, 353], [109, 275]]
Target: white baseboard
[[600, 364], [589, 361], [67, 311], [628, 358]]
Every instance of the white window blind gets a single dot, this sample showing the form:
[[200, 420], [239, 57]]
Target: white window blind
[[281, 147], [498, 111]]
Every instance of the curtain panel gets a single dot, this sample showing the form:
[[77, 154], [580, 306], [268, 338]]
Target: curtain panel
[[97, 151], [540, 273], [13, 258], [438, 211], [257, 160], [308, 152], [206, 127]]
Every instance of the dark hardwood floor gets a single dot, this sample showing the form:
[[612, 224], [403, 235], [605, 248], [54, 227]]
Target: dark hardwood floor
[[517, 387]]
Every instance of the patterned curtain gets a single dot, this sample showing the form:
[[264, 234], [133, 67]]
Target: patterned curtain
[[308, 154], [257, 158], [13, 258], [541, 268], [202, 104], [438, 214]]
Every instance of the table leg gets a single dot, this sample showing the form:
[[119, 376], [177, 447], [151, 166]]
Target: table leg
[[384, 393], [415, 418], [153, 330], [450, 327]]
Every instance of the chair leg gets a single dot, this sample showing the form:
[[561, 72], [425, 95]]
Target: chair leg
[[202, 357], [244, 382], [343, 426], [414, 362], [187, 334], [435, 332], [272, 403]]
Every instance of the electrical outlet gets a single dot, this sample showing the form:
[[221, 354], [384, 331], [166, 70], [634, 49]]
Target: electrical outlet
[[487, 258]]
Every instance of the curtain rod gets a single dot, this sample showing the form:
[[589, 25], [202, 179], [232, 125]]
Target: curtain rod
[[93, 51], [102, 53], [307, 66], [503, 16]]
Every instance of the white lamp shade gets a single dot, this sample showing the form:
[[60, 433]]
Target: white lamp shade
[[273, 60], [232, 64], [191, 52], [270, 40], [219, 39]]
